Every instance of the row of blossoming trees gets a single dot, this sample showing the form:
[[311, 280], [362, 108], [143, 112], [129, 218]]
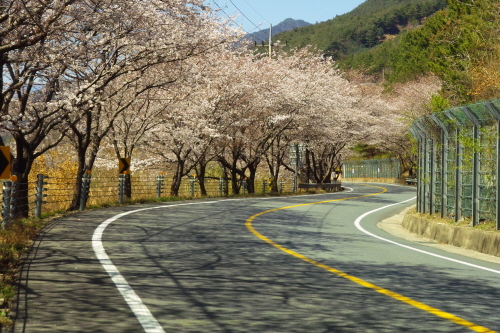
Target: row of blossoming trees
[[170, 83]]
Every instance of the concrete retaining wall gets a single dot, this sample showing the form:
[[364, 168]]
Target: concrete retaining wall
[[480, 241]]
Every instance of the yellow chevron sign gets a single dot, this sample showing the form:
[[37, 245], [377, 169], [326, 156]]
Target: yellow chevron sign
[[4, 162], [123, 166]]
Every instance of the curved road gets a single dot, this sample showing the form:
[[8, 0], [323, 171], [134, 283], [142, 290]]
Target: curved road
[[287, 264]]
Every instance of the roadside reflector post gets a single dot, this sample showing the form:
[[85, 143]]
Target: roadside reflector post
[[159, 186], [40, 195], [121, 188], [221, 186], [7, 200], [192, 181], [84, 195], [244, 186]]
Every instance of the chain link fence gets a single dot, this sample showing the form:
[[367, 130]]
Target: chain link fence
[[459, 161], [389, 168]]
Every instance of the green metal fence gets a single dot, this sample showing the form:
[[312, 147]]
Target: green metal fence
[[378, 168], [459, 159]]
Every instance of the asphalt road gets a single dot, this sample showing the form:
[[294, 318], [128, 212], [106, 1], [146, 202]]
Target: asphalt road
[[247, 266]]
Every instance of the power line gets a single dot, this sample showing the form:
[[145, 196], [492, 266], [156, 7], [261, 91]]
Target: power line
[[255, 10], [229, 16], [244, 15]]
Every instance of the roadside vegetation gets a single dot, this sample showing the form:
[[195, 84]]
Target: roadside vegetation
[[170, 85], [483, 225]]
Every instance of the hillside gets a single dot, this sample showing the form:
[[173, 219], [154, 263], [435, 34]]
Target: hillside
[[459, 44], [366, 26], [286, 25]]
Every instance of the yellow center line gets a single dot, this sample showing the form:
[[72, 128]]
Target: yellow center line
[[404, 299]]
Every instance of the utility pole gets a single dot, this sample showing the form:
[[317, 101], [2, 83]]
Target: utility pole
[[270, 42]]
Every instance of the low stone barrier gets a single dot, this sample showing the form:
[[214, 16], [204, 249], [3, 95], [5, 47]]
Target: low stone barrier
[[476, 240], [332, 187], [372, 180]]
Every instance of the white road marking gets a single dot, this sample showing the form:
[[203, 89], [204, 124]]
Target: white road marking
[[357, 223], [141, 311]]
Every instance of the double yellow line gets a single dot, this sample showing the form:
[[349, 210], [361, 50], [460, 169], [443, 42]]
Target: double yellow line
[[404, 299]]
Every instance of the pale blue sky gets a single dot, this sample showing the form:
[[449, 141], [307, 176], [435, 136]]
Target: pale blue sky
[[265, 12]]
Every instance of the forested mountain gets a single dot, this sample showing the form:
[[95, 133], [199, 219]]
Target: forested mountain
[[286, 25], [459, 44], [371, 23]]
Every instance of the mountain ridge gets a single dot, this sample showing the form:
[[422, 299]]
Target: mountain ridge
[[286, 25], [362, 28]]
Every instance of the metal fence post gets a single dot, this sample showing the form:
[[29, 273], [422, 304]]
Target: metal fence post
[[264, 184], [458, 178], [444, 166], [7, 200], [420, 177], [497, 173], [159, 186], [496, 113], [432, 171], [282, 181], [40, 195], [425, 172], [475, 179], [192, 183], [84, 195], [294, 186], [121, 188], [244, 186], [475, 165]]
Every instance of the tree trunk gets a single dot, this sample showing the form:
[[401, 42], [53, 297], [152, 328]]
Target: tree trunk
[[21, 168], [20, 199], [308, 166], [75, 203], [235, 186], [176, 180], [225, 177], [252, 168], [128, 187], [200, 171]]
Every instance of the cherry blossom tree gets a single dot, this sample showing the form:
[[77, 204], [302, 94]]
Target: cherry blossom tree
[[395, 110], [81, 54]]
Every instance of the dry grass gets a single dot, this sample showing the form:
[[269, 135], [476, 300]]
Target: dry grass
[[15, 240], [486, 225]]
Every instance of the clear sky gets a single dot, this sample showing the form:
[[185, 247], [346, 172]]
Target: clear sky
[[265, 12]]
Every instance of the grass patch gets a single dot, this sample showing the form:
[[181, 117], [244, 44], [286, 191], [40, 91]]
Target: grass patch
[[485, 225], [15, 240]]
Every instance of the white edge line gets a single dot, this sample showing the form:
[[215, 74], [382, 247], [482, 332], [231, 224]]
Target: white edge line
[[141, 311], [357, 223]]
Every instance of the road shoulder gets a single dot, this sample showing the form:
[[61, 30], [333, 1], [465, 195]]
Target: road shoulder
[[393, 225]]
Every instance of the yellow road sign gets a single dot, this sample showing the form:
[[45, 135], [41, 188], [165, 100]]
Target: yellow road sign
[[4, 162], [123, 166]]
